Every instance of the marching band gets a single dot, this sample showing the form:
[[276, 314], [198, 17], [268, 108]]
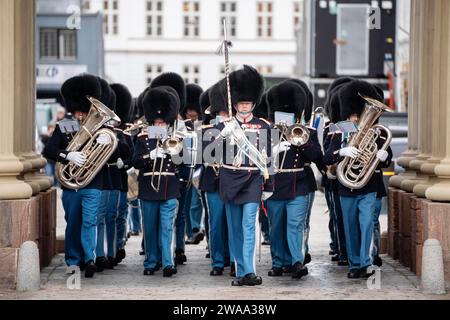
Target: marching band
[[233, 152]]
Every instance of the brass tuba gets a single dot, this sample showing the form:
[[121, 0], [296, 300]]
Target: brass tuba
[[356, 173], [74, 177]]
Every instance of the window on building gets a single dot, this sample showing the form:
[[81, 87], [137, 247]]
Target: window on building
[[191, 73], [111, 16], [298, 12], [154, 18], [86, 5], [153, 70], [228, 11], [60, 44], [191, 18], [264, 19]]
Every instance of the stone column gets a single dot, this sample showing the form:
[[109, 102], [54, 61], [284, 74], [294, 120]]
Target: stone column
[[441, 190], [24, 97], [420, 69], [10, 66], [412, 152], [438, 60]]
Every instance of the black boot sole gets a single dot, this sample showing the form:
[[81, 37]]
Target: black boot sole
[[90, 271]]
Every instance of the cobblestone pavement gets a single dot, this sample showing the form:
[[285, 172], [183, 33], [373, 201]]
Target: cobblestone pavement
[[325, 280]]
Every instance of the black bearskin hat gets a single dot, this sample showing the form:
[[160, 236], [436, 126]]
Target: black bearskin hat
[[332, 88], [204, 104], [123, 102], [334, 109], [139, 105], [173, 80], [310, 98], [246, 85], [75, 90], [193, 92], [108, 97], [350, 99], [380, 92], [134, 110], [161, 103], [262, 108], [287, 96], [218, 97]]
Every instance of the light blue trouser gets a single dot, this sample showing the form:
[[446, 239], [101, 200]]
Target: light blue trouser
[[358, 225], [242, 220], [294, 212], [279, 249], [121, 221], [195, 211], [81, 209], [134, 219], [310, 198], [158, 220], [184, 203], [107, 216], [376, 226], [218, 238]]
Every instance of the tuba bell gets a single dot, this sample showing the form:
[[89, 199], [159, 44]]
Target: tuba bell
[[74, 177], [356, 173]]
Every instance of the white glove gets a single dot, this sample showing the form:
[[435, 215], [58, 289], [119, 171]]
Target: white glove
[[350, 152], [157, 153], [228, 130], [77, 158], [120, 163], [112, 123], [382, 155], [330, 175], [103, 139], [281, 147], [266, 195]]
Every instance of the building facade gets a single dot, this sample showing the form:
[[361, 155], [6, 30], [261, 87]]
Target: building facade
[[146, 37], [68, 43]]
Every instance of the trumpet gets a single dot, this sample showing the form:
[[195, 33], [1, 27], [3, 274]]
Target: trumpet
[[134, 128], [296, 134], [171, 146]]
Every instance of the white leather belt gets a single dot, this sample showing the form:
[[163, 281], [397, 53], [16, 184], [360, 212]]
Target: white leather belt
[[159, 174], [240, 168], [290, 170], [212, 165]]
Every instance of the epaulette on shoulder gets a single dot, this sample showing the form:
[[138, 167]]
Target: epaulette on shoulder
[[264, 120]]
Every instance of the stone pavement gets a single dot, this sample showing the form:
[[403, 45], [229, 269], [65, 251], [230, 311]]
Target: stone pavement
[[325, 280]]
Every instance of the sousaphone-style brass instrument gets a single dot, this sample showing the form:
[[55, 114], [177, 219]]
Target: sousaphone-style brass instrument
[[74, 177], [356, 173]]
